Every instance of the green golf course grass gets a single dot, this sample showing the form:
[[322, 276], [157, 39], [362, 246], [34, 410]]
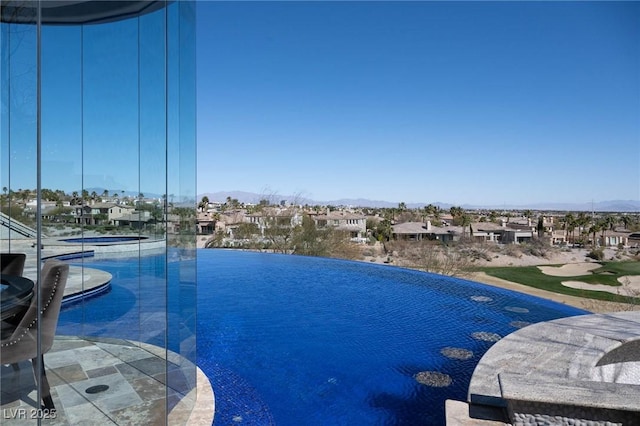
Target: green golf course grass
[[607, 274]]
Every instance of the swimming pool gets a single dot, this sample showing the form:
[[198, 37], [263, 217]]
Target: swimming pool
[[294, 340]]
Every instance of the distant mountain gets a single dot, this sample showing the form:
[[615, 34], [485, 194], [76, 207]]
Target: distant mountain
[[251, 197], [360, 202], [629, 206]]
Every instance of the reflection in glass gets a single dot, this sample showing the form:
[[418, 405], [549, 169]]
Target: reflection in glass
[[18, 128], [116, 157]]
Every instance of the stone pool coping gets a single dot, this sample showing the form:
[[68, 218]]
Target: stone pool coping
[[579, 362], [82, 282]]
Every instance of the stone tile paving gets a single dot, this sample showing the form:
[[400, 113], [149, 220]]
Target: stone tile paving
[[135, 378]]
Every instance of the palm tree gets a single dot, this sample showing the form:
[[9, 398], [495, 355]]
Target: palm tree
[[569, 226], [465, 220], [429, 211], [606, 223], [4, 196], [437, 213], [540, 226], [204, 203], [458, 215], [593, 230], [384, 230]]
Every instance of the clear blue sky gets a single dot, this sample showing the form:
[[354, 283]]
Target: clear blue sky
[[457, 102]]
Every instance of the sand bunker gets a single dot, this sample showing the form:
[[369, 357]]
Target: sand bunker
[[570, 269], [631, 280], [630, 290]]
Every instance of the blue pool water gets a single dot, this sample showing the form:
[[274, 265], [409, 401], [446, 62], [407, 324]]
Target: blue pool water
[[294, 340]]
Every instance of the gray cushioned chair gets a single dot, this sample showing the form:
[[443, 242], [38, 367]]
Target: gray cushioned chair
[[12, 263], [22, 344]]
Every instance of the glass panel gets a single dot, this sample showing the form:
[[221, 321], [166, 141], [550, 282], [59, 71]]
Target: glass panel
[[111, 152], [18, 129], [153, 180], [18, 167], [118, 135], [61, 135], [110, 112], [182, 190]]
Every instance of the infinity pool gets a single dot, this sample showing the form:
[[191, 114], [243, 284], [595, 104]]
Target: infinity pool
[[294, 340]]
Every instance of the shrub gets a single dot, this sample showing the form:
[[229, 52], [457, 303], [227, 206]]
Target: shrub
[[512, 250], [537, 247], [596, 254]]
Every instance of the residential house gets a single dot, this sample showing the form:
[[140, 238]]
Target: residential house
[[135, 220], [486, 231], [518, 231], [411, 231], [613, 239], [417, 231], [93, 214], [117, 211], [274, 216], [206, 223], [558, 237], [478, 231], [230, 221], [516, 236], [352, 223]]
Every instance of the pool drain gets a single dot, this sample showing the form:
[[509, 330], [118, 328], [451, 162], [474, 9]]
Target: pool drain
[[97, 389]]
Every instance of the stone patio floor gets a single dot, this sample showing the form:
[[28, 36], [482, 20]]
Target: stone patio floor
[[135, 375]]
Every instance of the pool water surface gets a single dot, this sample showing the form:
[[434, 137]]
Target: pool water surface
[[293, 340]]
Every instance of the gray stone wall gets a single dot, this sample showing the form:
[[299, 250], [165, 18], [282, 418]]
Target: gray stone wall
[[527, 413]]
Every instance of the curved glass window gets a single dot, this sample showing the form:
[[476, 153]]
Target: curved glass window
[[97, 166]]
